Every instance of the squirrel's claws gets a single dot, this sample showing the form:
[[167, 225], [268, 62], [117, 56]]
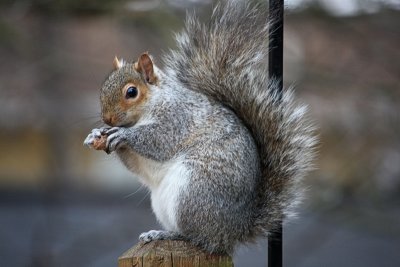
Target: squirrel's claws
[[103, 130], [110, 131], [151, 235], [115, 138]]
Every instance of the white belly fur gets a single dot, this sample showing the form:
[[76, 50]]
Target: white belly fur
[[165, 180], [165, 196]]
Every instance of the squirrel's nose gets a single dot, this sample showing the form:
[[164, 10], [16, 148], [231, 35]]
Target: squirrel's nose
[[109, 120]]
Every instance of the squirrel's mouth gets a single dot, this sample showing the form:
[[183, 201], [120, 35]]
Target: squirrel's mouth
[[115, 121], [124, 125], [127, 125]]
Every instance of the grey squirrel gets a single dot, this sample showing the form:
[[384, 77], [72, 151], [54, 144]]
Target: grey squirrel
[[222, 152]]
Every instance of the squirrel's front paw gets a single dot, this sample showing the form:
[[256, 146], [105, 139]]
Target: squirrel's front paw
[[89, 140], [117, 137], [97, 139]]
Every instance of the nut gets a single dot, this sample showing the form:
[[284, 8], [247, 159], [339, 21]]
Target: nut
[[99, 142]]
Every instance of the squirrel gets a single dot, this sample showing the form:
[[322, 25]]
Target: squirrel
[[222, 152]]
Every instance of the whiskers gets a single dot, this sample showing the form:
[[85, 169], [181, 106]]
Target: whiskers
[[92, 121], [136, 191], [141, 187], [145, 196]]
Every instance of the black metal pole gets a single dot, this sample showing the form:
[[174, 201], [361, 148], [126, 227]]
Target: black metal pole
[[275, 60], [275, 248], [275, 71]]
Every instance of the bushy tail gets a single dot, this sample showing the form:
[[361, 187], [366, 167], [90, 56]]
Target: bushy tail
[[226, 60]]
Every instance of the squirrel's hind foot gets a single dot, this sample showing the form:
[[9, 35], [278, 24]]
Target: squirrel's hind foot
[[159, 235]]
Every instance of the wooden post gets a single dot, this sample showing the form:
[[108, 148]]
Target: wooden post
[[171, 253]]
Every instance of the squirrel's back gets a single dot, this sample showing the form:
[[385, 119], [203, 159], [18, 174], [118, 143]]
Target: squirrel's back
[[225, 60]]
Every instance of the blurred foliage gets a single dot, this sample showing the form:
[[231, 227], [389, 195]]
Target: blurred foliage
[[8, 35], [161, 22], [56, 7], [350, 81]]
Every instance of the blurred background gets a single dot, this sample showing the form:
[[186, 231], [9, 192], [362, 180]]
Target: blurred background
[[62, 204]]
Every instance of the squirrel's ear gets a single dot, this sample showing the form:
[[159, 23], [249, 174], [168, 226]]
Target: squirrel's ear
[[145, 67], [116, 63]]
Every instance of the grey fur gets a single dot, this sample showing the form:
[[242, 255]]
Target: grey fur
[[246, 148], [225, 59]]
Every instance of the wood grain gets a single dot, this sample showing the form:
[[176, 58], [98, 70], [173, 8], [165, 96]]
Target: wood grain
[[171, 253]]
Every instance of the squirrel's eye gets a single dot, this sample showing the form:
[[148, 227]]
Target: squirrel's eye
[[132, 92]]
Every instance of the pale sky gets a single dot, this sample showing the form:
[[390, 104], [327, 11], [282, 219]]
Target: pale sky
[[347, 7]]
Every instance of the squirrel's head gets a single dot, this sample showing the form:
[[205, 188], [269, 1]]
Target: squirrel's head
[[125, 92]]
